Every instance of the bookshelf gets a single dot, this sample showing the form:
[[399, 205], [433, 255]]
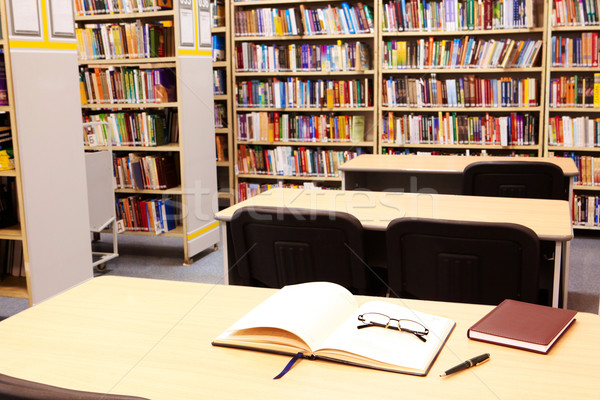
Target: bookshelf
[[46, 250], [141, 70], [462, 77], [573, 101], [221, 33], [303, 77]]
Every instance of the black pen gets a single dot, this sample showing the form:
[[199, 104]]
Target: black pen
[[468, 364]]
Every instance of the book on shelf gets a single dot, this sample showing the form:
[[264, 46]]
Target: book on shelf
[[523, 325], [320, 320], [3, 86], [221, 147], [11, 259]]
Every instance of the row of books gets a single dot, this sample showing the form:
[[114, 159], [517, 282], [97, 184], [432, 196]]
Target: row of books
[[147, 214], [217, 12], [267, 22], [93, 7], [575, 12], [586, 210], [219, 81], [292, 161], [135, 128], [589, 169], [346, 19], [457, 15], [461, 53], [330, 20], [305, 93], [124, 40], [11, 258], [246, 190], [450, 128], [275, 126], [575, 91], [575, 51], [574, 131], [220, 115], [343, 56], [139, 171], [469, 91], [127, 85]]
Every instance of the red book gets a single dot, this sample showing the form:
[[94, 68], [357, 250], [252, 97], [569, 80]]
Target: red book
[[523, 325]]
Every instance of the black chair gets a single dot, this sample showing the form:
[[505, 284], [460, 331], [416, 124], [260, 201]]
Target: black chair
[[467, 262], [12, 388], [539, 180], [275, 247]]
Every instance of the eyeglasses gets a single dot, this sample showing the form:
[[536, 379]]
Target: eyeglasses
[[383, 321]]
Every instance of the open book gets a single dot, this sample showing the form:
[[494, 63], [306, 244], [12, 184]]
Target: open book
[[320, 320]]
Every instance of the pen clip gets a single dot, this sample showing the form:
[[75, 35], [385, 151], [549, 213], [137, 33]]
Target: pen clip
[[483, 361]]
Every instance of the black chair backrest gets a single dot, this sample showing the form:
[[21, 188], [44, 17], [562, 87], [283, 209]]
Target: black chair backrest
[[527, 179], [12, 388], [467, 262], [275, 247]]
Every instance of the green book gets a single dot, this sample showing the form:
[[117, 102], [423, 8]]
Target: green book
[[471, 14], [358, 128]]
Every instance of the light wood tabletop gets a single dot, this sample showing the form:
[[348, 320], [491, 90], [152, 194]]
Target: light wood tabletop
[[549, 219], [152, 338], [441, 164]]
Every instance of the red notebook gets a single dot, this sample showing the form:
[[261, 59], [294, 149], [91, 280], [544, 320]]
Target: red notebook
[[523, 325]]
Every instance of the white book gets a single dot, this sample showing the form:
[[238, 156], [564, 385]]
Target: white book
[[320, 320]]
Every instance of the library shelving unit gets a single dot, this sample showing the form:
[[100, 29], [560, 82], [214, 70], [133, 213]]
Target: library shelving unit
[[462, 77], [221, 31], [303, 75], [573, 101], [47, 249], [143, 70]]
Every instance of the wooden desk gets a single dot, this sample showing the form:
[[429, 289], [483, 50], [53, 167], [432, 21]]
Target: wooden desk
[[152, 338], [549, 219], [432, 174]]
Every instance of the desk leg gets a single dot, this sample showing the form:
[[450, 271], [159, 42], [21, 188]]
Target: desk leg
[[565, 273], [225, 255], [557, 274]]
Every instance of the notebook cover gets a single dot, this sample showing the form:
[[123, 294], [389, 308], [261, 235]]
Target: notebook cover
[[524, 322]]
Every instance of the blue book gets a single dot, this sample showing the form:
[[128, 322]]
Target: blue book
[[168, 209], [289, 22], [348, 18]]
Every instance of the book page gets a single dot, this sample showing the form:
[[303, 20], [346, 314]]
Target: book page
[[309, 310], [386, 347]]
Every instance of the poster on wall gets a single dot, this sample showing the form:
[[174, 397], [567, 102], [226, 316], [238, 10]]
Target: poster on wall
[[61, 18], [186, 23], [204, 34], [25, 17]]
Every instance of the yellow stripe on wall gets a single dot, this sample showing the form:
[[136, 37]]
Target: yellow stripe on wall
[[203, 230], [183, 52], [31, 44]]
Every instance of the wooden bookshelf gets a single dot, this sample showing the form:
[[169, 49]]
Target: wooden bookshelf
[[49, 190], [221, 31], [414, 55], [304, 116], [171, 119], [572, 114]]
